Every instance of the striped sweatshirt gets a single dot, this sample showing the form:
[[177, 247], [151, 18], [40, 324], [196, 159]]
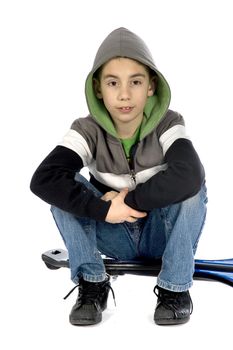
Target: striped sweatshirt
[[164, 167]]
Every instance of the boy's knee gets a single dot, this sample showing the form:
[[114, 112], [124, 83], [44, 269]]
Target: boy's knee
[[197, 203]]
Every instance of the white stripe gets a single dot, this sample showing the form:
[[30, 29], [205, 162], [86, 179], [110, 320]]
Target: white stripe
[[171, 135], [145, 175], [74, 141], [118, 182]]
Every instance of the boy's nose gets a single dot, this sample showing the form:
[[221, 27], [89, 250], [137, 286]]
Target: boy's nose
[[124, 93]]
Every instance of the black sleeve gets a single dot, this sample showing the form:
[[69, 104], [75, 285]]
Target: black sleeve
[[181, 180], [53, 182]]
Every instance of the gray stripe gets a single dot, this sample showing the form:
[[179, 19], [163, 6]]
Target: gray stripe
[[93, 143], [170, 119]]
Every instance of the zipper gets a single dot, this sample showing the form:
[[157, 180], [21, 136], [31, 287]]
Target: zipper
[[133, 176], [131, 163]]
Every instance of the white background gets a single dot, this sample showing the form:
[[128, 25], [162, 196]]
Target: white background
[[47, 49]]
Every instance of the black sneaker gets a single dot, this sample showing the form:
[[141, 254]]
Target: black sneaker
[[172, 307], [91, 301]]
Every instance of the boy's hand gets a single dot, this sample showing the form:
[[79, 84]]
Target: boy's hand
[[119, 211], [108, 196]]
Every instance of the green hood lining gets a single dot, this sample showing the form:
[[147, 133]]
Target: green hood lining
[[155, 108]]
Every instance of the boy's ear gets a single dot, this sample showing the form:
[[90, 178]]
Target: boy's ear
[[97, 89], [152, 86]]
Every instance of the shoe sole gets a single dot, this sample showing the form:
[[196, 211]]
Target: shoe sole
[[85, 322], [171, 322]]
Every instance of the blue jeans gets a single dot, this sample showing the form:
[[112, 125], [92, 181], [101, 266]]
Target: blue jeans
[[171, 233]]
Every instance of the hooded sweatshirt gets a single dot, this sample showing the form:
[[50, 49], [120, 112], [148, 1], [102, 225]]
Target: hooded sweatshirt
[[163, 169]]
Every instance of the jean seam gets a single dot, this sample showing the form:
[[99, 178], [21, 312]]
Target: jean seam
[[95, 279], [174, 287]]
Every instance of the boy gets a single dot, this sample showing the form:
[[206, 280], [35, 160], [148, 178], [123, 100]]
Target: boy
[[146, 197]]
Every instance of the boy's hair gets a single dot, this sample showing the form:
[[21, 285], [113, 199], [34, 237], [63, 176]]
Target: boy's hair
[[97, 74]]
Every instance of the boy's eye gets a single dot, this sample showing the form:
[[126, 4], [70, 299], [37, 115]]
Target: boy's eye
[[112, 83], [136, 82]]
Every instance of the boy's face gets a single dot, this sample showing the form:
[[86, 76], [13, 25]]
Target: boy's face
[[124, 85]]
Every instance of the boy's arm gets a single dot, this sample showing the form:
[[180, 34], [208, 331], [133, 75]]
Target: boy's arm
[[182, 179], [53, 182]]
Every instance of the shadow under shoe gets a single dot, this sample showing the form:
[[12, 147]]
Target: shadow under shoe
[[172, 307], [91, 302]]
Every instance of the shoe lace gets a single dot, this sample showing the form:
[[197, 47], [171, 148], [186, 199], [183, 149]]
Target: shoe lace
[[91, 291], [169, 299]]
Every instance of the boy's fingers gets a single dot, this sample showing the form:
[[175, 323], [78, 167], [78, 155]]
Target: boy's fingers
[[133, 213], [123, 192], [137, 214], [131, 219]]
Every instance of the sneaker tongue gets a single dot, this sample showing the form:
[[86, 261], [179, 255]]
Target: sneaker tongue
[[90, 292], [83, 283]]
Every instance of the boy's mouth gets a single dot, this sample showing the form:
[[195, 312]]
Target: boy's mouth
[[126, 109]]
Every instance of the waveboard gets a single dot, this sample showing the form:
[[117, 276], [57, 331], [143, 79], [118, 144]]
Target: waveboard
[[208, 270]]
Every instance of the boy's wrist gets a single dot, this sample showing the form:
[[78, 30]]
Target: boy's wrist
[[97, 209], [130, 201]]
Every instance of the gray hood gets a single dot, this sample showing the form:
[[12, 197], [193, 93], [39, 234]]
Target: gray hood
[[123, 43]]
